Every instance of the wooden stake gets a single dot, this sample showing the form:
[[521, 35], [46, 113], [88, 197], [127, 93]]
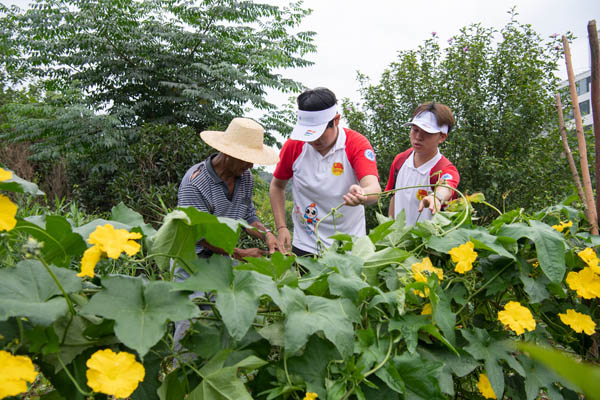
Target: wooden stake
[[595, 100], [583, 160], [563, 136]]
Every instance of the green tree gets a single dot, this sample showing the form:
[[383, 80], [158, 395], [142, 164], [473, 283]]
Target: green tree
[[500, 86], [126, 85]]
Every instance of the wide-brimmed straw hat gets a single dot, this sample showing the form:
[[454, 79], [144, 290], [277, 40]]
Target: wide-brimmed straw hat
[[243, 139]]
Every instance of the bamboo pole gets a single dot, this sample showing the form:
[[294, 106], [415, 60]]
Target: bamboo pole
[[595, 98], [563, 136], [583, 160]]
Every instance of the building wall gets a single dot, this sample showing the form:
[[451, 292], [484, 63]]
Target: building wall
[[583, 86]]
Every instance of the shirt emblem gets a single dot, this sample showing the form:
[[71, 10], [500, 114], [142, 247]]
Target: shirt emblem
[[337, 168], [446, 177], [421, 193], [370, 155]]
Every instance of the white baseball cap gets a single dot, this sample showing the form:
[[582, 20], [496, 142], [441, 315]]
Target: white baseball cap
[[428, 122], [311, 124]]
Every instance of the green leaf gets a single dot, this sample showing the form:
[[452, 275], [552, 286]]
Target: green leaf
[[491, 350], [480, 238], [238, 292], [122, 213], [59, 241], [278, 266], [346, 282], [312, 364], [140, 309], [42, 340], [306, 315], [585, 376], [410, 325], [28, 290], [20, 185], [460, 364], [538, 377], [549, 244], [419, 376], [171, 388], [177, 238]]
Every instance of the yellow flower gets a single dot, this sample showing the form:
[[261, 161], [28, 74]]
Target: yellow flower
[[114, 241], [485, 387], [536, 264], [589, 256], [8, 210], [585, 282], [563, 225], [15, 372], [578, 321], [310, 396], [426, 309], [517, 317], [5, 175], [422, 270], [116, 374], [464, 255], [110, 241]]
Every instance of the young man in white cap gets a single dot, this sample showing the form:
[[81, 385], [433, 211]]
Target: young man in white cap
[[328, 165], [222, 184], [423, 165]]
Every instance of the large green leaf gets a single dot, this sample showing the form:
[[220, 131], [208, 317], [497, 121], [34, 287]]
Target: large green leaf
[[549, 244], [278, 266], [539, 377], [460, 364], [28, 290], [583, 375], [480, 238], [419, 376], [346, 281], [312, 364], [222, 383], [127, 216], [306, 315], [140, 309], [491, 350], [20, 185], [59, 241], [238, 292]]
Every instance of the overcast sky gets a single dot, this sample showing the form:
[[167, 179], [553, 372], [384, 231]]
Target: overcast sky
[[365, 36]]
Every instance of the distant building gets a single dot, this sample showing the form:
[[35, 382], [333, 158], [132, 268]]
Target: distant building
[[583, 86]]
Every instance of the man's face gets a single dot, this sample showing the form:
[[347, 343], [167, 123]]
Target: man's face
[[424, 142], [237, 166]]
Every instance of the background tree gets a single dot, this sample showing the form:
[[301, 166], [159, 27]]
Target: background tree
[[127, 85], [500, 86]]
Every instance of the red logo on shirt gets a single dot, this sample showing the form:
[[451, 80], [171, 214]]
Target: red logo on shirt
[[421, 193], [337, 168]]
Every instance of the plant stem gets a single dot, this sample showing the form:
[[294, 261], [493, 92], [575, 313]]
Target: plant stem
[[484, 286], [60, 287], [62, 364]]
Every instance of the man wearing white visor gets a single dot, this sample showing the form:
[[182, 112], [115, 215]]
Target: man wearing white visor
[[423, 165], [327, 165]]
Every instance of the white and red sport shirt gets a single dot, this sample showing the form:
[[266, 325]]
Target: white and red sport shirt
[[319, 183]]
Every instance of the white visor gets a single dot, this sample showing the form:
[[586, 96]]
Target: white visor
[[311, 124], [428, 122]]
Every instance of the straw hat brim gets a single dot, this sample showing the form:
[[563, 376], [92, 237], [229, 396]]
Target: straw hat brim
[[219, 141]]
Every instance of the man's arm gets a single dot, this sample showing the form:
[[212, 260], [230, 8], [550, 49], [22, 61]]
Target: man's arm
[[266, 235], [277, 197], [435, 200], [369, 184]]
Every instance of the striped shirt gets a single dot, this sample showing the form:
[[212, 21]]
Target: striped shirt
[[207, 192]]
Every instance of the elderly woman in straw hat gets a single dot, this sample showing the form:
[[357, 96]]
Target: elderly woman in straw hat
[[222, 184]]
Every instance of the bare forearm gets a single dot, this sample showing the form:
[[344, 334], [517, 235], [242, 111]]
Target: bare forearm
[[277, 197]]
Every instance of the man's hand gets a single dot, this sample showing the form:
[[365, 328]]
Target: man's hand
[[251, 252], [285, 240], [432, 202], [273, 243], [355, 196]]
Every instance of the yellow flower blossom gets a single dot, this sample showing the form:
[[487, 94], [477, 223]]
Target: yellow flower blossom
[[579, 322], [5, 175], [485, 387], [560, 227], [422, 270], [8, 210], [427, 310], [310, 396], [591, 259], [585, 282], [116, 374], [464, 255], [110, 241], [15, 372], [517, 317], [536, 264]]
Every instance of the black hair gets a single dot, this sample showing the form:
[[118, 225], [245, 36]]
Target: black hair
[[317, 99]]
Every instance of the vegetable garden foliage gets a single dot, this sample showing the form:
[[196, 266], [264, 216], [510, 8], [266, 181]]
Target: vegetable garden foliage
[[382, 316], [122, 88], [500, 86]]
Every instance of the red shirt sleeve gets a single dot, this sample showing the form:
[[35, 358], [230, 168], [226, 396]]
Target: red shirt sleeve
[[396, 165], [289, 153], [445, 170], [360, 154]]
